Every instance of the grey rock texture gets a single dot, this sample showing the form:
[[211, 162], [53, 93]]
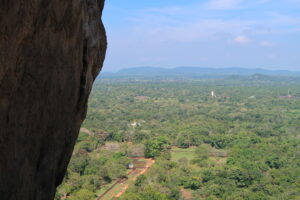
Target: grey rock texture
[[50, 54]]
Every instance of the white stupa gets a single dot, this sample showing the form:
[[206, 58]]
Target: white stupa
[[213, 95]]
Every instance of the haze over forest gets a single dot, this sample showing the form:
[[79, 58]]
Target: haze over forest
[[199, 72]]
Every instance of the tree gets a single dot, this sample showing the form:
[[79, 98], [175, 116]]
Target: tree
[[201, 155], [154, 147], [183, 142], [79, 163]]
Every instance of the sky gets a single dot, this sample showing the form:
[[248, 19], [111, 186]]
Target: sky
[[203, 33]]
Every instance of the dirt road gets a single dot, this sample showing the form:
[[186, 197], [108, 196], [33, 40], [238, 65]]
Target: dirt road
[[149, 163], [121, 185]]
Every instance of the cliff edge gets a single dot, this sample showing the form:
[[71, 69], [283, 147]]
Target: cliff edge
[[50, 54]]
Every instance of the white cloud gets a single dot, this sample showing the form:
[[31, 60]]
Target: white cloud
[[241, 39], [266, 44], [202, 30]]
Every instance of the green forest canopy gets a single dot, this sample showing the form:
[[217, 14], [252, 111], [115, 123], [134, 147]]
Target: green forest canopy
[[258, 131]]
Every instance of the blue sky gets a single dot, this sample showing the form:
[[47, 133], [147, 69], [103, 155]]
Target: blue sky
[[204, 33]]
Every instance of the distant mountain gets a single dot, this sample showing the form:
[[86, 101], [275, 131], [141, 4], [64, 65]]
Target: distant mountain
[[198, 72]]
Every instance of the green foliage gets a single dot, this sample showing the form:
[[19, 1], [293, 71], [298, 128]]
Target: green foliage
[[89, 171], [131, 196], [192, 183], [79, 163], [244, 177], [274, 162], [202, 155], [83, 194], [149, 194], [246, 139], [154, 147], [183, 142], [140, 181]]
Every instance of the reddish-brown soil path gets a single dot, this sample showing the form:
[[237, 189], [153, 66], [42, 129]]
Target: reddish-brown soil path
[[124, 183], [150, 162]]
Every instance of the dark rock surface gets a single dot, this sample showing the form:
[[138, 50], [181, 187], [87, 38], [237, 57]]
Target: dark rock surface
[[50, 53]]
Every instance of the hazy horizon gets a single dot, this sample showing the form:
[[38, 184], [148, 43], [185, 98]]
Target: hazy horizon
[[205, 33], [246, 68]]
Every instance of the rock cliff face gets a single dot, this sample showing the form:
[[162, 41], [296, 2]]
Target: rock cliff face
[[50, 54]]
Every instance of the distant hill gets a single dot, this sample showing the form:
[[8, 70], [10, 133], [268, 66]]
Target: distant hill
[[199, 72]]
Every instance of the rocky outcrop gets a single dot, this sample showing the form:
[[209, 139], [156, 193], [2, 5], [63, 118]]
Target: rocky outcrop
[[50, 53]]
